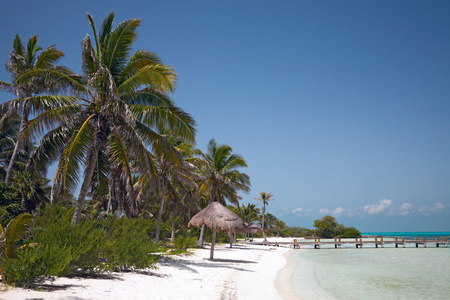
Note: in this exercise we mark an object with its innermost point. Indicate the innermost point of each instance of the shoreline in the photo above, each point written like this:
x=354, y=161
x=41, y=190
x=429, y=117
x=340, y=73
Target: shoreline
x=283, y=282
x=242, y=272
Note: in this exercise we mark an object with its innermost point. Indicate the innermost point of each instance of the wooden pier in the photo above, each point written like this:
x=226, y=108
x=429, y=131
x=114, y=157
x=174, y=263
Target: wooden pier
x=357, y=242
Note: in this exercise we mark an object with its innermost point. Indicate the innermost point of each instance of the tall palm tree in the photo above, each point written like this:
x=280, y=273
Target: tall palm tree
x=264, y=198
x=128, y=105
x=33, y=76
x=222, y=176
x=249, y=212
x=175, y=179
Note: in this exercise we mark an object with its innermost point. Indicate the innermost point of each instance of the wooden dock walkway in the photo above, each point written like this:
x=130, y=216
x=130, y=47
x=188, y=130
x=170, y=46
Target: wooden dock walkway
x=357, y=242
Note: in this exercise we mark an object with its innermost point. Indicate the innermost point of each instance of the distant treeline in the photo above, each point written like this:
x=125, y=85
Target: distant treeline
x=326, y=227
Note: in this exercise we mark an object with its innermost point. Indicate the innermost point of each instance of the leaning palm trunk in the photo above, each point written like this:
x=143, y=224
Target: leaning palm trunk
x=23, y=125
x=200, y=239
x=85, y=187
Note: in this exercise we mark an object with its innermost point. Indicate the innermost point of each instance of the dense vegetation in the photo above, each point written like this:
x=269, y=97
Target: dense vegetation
x=115, y=133
x=329, y=227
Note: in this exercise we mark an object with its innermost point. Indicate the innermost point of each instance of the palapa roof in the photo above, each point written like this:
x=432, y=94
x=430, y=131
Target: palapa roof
x=253, y=228
x=215, y=215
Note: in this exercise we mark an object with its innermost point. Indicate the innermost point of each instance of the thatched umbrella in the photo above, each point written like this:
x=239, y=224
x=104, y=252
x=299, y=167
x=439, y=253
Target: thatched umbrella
x=252, y=228
x=219, y=218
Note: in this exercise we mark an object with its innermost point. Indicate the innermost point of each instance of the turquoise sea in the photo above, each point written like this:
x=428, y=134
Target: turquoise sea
x=428, y=234
x=372, y=273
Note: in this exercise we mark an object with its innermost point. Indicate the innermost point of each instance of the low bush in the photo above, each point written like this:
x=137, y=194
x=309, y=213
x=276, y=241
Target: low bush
x=127, y=246
x=32, y=265
x=183, y=243
x=113, y=244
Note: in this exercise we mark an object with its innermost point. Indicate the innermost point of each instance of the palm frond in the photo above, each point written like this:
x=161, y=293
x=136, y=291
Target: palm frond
x=117, y=45
x=106, y=27
x=148, y=96
x=75, y=151
x=12, y=232
x=163, y=118
x=91, y=22
x=18, y=48
x=32, y=49
x=139, y=60
x=48, y=58
x=50, y=147
x=119, y=156
x=89, y=63
x=233, y=162
x=52, y=80
x=6, y=87
x=159, y=77
x=49, y=119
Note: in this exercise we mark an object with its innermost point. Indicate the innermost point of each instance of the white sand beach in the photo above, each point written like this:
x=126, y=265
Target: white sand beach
x=243, y=272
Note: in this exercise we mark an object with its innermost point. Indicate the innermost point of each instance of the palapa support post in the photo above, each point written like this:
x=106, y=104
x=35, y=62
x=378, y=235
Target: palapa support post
x=213, y=241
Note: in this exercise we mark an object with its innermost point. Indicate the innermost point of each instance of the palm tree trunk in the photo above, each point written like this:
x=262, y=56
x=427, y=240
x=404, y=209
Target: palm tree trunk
x=263, y=213
x=85, y=187
x=160, y=211
x=110, y=187
x=172, y=236
x=23, y=125
x=200, y=239
x=213, y=241
x=202, y=231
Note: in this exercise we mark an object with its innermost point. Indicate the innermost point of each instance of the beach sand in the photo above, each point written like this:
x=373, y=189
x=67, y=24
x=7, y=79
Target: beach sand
x=242, y=272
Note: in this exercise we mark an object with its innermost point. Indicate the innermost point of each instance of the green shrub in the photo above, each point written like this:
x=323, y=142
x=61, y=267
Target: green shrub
x=183, y=243
x=32, y=265
x=221, y=237
x=350, y=232
x=113, y=244
x=53, y=227
x=127, y=246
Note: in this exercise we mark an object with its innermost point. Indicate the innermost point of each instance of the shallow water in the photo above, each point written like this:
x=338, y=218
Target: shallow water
x=371, y=273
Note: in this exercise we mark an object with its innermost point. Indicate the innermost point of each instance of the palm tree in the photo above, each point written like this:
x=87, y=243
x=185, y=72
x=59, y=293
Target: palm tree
x=128, y=105
x=264, y=198
x=175, y=180
x=279, y=226
x=248, y=213
x=32, y=190
x=34, y=75
x=222, y=176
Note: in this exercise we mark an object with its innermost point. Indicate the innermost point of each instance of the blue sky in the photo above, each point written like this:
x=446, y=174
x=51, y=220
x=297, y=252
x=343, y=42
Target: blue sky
x=339, y=107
